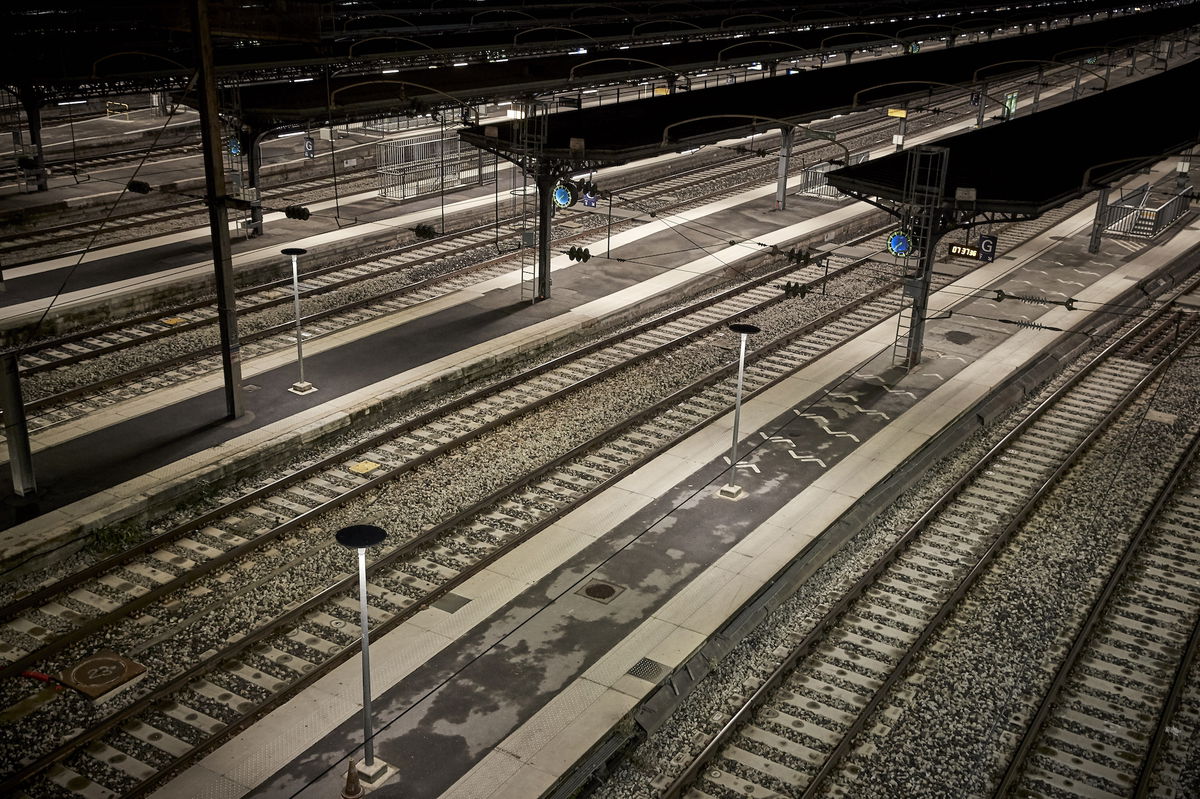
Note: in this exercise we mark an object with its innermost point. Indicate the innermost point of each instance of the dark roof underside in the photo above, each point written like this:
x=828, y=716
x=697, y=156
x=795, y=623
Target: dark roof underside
x=358, y=96
x=1032, y=164
x=634, y=130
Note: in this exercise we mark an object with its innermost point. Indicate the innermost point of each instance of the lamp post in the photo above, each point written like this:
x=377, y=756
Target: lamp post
x=745, y=330
x=361, y=536
x=301, y=386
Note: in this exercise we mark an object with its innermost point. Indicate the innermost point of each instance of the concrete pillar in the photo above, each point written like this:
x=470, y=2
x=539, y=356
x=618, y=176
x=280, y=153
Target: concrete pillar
x=786, y=137
x=982, y=104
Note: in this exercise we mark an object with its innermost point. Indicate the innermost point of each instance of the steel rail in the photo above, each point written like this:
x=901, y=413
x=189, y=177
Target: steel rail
x=816, y=636
x=414, y=545
x=1179, y=686
x=1033, y=730
x=45, y=593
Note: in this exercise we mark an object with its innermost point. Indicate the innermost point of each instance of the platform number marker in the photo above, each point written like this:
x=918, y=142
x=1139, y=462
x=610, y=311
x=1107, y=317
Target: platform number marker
x=987, y=248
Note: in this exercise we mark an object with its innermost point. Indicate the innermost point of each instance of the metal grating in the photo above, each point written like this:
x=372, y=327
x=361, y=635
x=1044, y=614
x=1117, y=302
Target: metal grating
x=649, y=670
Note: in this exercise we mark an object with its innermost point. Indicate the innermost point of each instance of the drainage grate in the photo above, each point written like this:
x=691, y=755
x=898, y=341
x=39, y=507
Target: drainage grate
x=600, y=591
x=649, y=670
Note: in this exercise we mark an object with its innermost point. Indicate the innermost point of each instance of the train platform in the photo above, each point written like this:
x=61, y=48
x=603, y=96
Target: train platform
x=131, y=455
x=137, y=456
x=529, y=670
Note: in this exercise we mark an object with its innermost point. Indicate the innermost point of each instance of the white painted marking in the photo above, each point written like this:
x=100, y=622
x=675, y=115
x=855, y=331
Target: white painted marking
x=807, y=459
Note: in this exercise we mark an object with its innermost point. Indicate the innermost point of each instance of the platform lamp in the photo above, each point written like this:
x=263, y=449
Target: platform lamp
x=745, y=330
x=301, y=386
x=359, y=537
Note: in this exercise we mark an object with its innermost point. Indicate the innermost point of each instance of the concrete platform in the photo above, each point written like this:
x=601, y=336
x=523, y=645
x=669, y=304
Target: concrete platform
x=502, y=696
x=138, y=457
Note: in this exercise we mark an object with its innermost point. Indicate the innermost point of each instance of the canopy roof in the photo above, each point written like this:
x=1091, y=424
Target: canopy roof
x=644, y=128
x=1032, y=164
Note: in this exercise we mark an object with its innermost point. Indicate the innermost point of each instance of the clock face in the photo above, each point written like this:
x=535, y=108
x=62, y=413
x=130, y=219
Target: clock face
x=563, y=197
x=899, y=244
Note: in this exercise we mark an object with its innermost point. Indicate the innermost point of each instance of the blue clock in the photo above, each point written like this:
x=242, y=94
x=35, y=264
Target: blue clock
x=899, y=244
x=565, y=195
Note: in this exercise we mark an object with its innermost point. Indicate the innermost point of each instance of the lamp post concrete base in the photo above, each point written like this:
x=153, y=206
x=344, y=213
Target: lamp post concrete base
x=376, y=775
x=730, y=491
x=302, y=387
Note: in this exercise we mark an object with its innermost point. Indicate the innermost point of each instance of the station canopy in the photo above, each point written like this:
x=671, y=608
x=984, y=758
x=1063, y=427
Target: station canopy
x=499, y=73
x=616, y=134
x=61, y=48
x=1028, y=165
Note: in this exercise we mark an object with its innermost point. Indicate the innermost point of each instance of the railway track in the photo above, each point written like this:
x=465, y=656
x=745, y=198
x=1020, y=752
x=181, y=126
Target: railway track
x=791, y=734
x=408, y=575
x=50, y=406
x=49, y=241
x=1100, y=726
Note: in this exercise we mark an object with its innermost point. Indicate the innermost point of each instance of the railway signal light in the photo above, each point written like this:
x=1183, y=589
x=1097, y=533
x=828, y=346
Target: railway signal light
x=579, y=254
x=792, y=289
x=795, y=256
x=297, y=212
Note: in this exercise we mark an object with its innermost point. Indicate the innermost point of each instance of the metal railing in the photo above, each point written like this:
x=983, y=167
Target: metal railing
x=428, y=164
x=1131, y=217
x=816, y=184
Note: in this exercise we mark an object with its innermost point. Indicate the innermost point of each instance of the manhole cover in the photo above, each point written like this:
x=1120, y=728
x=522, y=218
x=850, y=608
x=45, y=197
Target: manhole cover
x=103, y=675
x=600, y=591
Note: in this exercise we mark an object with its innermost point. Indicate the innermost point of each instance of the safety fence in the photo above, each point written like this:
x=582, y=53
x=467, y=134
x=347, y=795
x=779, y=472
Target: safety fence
x=430, y=163
x=1134, y=216
x=815, y=183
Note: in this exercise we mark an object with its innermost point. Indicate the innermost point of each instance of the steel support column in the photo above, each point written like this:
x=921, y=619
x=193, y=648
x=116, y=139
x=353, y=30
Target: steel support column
x=1037, y=89
x=545, y=181
x=919, y=284
x=31, y=101
x=252, y=146
x=983, y=87
x=1098, y=222
x=218, y=219
x=786, y=137
x=16, y=430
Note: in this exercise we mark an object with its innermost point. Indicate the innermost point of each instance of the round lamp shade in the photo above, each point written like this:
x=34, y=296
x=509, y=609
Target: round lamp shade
x=745, y=328
x=360, y=536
